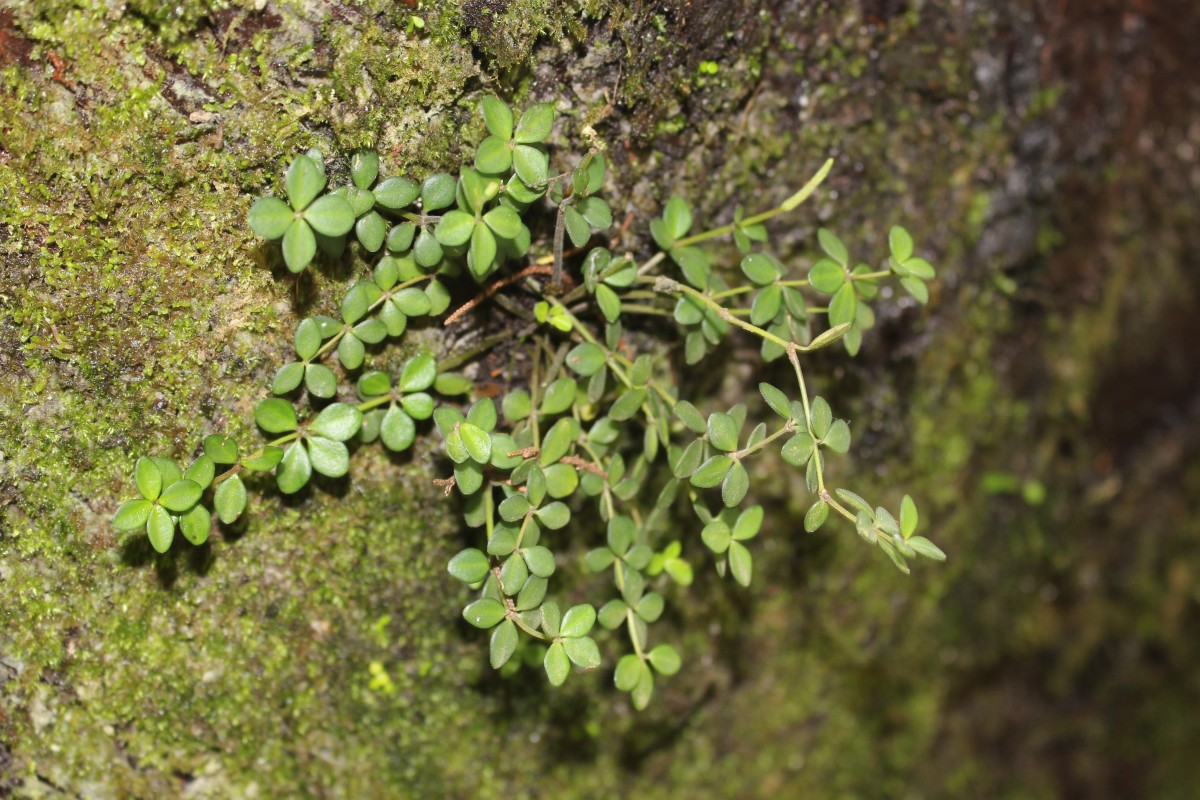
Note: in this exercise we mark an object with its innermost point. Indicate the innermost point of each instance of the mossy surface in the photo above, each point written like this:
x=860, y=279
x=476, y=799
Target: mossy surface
x=315, y=651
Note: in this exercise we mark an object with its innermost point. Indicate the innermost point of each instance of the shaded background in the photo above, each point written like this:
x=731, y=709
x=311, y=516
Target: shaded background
x=1043, y=407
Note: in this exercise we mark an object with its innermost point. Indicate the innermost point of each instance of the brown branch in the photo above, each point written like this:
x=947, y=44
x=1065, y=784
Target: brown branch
x=535, y=269
x=584, y=464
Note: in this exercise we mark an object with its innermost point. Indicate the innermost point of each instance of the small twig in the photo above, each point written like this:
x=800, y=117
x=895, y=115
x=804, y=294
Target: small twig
x=583, y=464
x=445, y=484
x=535, y=269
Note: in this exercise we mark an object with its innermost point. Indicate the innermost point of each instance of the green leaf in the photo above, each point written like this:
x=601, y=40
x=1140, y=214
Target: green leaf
x=516, y=405
x=270, y=217
x=426, y=250
x=597, y=213
x=650, y=607
x=900, y=243
x=760, y=269
x=455, y=228
x=397, y=430
x=418, y=406
x=364, y=167
x=620, y=534
x=331, y=215
x=160, y=527
x=554, y=516
x=132, y=515
x=328, y=457
x=609, y=302
x=578, y=228
x=396, y=193
x=229, y=500
x=287, y=378
x=494, y=156
x=535, y=124
x=776, y=399
x=678, y=217
x=716, y=536
x=843, y=306
x=741, y=563
x=299, y=246
x=748, y=523
x=418, y=374
x=586, y=359
x=917, y=288
x=838, y=438
x=735, y=485
x=539, y=560
x=275, y=415
x=833, y=246
x=303, y=182
x=689, y=459
x=513, y=575
x=451, y=383
x=629, y=672
x=514, y=508
x=627, y=405
x=371, y=229
x=477, y=442
x=690, y=417
x=561, y=480
x=926, y=548
x=827, y=276
x=294, y=470
x=497, y=116
x=722, y=431
x=504, y=643
x=202, y=471
x=664, y=659
x=641, y=694
x=483, y=249
x=822, y=417
x=412, y=302
x=437, y=192
x=264, y=459
x=338, y=421
x=196, y=524
x=166, y=467
x=307, y=338
x=559, y=396
x=582, y=651
x=920, y=268
x=180, y=495
x=578, y=621
x=551, y=619
x=557, y=664
x=221, y=449
x=148, y=478
x=530, y=164
x=599, y=560
x=469, y=566
x=711, y=472
x=766, y=305
x=908, y=517
x=503, y=221
x=817, y=513
x=483, y=414
x=484, y=613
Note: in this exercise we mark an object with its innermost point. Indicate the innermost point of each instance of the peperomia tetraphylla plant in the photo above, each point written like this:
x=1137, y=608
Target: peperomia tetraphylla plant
x=592, y=417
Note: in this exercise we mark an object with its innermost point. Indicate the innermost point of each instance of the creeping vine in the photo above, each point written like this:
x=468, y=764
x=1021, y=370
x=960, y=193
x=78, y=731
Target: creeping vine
x=593, y=416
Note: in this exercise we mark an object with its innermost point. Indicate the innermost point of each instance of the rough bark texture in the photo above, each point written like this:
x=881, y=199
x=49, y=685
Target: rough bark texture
x=1043, y=408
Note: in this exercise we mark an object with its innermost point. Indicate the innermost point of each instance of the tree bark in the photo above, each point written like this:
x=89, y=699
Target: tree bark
x=1043, y=407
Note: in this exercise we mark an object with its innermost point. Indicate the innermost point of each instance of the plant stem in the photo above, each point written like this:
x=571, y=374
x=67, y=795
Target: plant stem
x=787, y=205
